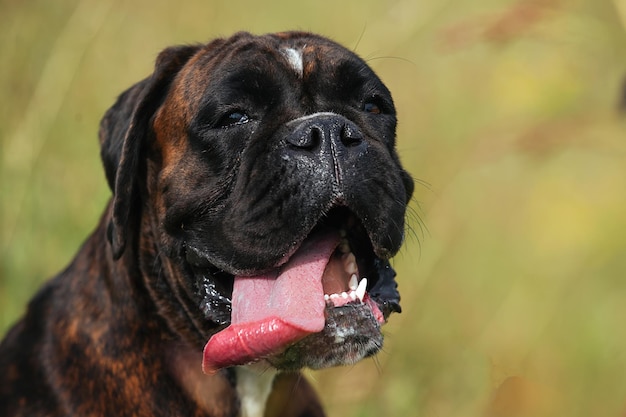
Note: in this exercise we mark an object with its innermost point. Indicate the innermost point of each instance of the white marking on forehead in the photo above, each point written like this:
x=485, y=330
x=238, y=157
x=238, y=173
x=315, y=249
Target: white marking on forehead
x=294, y=58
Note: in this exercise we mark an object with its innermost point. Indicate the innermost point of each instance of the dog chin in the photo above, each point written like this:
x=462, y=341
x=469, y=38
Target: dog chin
x=352, y=333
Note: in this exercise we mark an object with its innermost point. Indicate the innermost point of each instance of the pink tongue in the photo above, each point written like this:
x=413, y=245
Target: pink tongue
x=274, y=310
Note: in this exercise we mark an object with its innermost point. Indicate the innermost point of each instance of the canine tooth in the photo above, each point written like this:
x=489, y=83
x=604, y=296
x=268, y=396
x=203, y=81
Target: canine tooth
x=352, y=295
x=360, y=291
x=349, y=263
x=354, y=283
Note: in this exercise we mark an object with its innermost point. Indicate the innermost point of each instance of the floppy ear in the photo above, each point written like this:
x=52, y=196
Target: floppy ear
x=124, y=132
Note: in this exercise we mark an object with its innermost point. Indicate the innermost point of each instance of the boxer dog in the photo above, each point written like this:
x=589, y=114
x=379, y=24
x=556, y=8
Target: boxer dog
x=257, y=200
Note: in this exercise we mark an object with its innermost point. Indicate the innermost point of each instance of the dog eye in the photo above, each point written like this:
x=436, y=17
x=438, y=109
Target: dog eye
x=371, y=107
x=233, y=119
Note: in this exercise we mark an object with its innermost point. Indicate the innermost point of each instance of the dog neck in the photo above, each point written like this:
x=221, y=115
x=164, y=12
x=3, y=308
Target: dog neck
x=254, y=384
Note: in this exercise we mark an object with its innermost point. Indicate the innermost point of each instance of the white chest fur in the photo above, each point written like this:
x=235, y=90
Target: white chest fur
x=254, y=384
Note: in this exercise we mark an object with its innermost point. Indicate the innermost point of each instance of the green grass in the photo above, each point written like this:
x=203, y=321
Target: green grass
x=508, y=114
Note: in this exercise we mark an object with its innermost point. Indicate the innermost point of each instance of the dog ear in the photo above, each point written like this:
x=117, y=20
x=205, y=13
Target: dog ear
x=124, y=132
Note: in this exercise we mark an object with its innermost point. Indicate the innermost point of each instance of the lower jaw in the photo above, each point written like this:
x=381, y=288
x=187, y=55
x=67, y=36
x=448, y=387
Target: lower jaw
x=352, y=333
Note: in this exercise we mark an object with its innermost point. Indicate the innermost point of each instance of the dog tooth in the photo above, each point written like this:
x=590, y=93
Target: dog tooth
x=334, y=296
x=352, y=295
x=354, y=283
x=344, y=295
x=360, y=291
x=326, y=297
x=349, y=263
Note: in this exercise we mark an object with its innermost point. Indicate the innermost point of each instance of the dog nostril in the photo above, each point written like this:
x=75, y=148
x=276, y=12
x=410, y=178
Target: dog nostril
x=350, y=137
x=315, y=138
x=351, y=141
x=308, y=140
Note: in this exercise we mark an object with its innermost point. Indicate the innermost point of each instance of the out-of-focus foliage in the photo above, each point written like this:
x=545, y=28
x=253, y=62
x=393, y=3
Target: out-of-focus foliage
x=513, y=277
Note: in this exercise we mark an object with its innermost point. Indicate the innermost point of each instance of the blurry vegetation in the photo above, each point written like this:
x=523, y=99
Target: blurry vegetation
x=513, y=275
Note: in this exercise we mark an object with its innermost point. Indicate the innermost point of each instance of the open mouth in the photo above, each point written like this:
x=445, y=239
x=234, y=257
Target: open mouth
x=333, y=268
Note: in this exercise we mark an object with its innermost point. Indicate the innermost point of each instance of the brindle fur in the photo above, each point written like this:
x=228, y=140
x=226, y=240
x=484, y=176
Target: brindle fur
x=120, y=331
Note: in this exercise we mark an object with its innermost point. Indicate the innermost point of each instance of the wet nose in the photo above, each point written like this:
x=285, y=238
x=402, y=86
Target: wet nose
x=327, y=132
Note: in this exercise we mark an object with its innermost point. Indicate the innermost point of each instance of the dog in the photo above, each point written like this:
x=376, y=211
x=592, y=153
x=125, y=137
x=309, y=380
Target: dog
x=257, y=199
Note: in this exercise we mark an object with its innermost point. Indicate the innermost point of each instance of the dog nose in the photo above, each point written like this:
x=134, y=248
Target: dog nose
x=324, y=132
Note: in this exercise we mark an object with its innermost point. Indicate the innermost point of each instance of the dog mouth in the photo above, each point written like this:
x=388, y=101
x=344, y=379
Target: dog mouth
x=333, y=273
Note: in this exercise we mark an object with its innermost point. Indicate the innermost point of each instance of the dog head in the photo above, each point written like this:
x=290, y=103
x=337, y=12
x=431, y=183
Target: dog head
x=256, y=177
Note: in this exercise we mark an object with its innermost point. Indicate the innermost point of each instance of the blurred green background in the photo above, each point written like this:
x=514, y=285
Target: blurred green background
x=513, y=274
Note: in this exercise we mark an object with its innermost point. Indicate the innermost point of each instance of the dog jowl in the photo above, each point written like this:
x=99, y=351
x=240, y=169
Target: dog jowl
x=257, y=200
